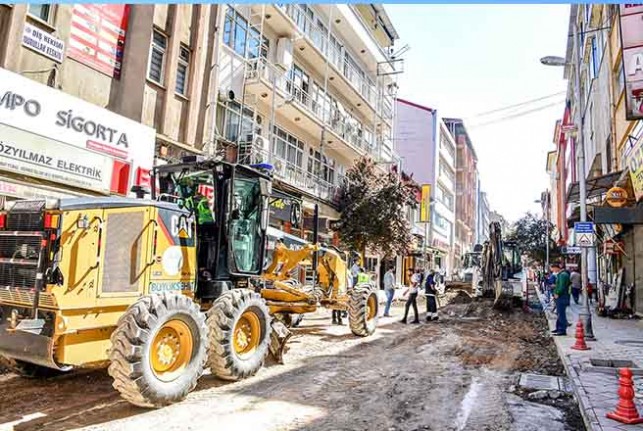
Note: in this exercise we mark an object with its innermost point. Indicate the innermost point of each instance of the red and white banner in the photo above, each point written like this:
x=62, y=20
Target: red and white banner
x=97, y=36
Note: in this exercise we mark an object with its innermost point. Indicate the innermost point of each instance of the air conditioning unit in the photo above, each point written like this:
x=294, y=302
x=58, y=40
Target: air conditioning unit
x=284, y=53
x=261, y=142
x=227, y=95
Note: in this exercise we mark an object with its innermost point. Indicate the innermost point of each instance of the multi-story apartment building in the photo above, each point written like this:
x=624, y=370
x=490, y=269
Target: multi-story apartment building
x=428, y=152
x=482, y=230
x=308, y=88
x=466, y=185
x=612, y=136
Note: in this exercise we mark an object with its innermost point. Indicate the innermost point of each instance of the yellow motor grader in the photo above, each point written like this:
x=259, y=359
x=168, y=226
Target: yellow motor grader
x=157, y=289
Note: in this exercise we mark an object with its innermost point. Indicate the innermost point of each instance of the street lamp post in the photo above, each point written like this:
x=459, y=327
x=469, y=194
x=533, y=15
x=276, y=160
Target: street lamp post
x=545, y=205
x=585, y=315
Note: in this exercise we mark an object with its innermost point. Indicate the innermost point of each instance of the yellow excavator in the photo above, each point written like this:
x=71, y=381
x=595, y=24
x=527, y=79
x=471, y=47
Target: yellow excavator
x=158, y=289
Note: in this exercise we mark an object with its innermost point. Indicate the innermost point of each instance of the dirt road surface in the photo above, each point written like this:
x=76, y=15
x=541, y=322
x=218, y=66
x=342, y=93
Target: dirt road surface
x=455, y=374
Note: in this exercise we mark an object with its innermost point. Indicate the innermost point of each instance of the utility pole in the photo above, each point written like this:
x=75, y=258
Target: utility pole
x=585, y=315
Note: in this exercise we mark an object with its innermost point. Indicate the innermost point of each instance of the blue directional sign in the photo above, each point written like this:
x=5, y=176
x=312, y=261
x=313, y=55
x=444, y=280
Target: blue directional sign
x=584, y=227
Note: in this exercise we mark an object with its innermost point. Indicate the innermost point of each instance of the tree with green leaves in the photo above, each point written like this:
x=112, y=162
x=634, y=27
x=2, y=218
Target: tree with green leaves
x=373, y=209
x=530, y=233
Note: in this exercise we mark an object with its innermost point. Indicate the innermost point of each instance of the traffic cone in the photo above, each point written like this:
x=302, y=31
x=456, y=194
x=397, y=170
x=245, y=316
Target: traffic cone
x=625, y=408
x=580, y=337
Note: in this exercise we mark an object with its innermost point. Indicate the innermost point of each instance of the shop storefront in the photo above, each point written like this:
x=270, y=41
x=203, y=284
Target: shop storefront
x=55, y=145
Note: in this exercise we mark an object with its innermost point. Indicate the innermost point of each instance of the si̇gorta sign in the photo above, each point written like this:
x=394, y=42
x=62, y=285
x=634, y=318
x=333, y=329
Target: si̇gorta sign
x=53, y=114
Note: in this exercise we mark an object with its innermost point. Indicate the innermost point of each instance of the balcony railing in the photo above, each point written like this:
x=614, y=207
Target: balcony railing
x=332, y=115
x=329, y=48
x=290, y=173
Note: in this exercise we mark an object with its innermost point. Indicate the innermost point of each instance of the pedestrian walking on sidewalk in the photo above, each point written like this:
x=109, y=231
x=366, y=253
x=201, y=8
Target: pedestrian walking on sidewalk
x=575, y=280
x=561, y=296
x=431, y=292
x=413, y=295
x=389, y=290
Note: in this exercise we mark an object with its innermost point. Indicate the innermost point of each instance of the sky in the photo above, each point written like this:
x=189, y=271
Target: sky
x=466, y=60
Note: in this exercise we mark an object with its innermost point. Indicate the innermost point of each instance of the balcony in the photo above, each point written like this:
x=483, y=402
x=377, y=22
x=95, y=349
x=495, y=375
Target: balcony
x=263, y=78
x=290, y=173
x=317, y=47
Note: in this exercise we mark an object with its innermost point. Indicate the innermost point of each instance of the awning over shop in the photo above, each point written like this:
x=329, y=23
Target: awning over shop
x=31, y=188
x=607, y=215
x=595, y=186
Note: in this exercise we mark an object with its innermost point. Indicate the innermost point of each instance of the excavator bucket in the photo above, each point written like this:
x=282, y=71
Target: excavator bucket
x=279, y=340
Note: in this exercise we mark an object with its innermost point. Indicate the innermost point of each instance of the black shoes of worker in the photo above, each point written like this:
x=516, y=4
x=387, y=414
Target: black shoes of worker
x=558, y=334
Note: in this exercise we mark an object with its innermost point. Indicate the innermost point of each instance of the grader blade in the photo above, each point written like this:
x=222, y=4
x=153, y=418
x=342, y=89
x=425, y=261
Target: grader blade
x=278, y=340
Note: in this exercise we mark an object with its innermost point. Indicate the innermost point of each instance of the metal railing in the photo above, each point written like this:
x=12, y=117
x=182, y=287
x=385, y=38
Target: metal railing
x=291, y=173
x=332, y=115
x=336, y=56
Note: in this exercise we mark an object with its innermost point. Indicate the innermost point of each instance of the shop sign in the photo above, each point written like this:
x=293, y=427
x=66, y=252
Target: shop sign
x=616, y=197
x=40, y=157
x=440, y=244
x=425, y=204
x=29, y=192
x=634, y=161
x=286, y=209
x=613, y=247
x=97, y=36
x=45, y=111
x=43, y=43
x=631, y=19
x=571, y=250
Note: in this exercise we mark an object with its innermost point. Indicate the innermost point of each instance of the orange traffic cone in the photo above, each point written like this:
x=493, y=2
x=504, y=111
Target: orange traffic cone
x=625, y=408
x=580, y=337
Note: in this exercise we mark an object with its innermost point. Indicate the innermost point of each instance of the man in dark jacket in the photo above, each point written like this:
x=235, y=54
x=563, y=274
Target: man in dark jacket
x=431, y=297
x=561, y=296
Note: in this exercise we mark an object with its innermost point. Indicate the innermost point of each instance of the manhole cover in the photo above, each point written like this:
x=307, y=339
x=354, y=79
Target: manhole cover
x=541, y=382
x=612, y=363
x=629, y=342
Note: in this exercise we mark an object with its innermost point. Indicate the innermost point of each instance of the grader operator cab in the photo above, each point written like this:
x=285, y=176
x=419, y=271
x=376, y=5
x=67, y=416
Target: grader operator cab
x=156, y=288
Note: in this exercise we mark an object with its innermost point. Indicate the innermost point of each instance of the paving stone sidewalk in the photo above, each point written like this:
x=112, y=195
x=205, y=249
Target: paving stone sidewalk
x=596, y=387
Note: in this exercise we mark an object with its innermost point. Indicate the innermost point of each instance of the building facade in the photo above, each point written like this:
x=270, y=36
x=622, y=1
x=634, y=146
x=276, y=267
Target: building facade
x=309, y=89
x=604, y=108
x=483, y=220
x=305, y=88
x=428, y=152
x=466, y=186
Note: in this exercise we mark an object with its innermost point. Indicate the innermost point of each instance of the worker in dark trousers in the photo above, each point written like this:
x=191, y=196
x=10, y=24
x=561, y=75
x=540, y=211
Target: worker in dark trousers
x=337, y=317
x=416, y=279
x=431, y=297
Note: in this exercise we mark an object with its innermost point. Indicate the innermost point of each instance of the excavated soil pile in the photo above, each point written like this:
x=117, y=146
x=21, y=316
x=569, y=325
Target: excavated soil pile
x=507, y=341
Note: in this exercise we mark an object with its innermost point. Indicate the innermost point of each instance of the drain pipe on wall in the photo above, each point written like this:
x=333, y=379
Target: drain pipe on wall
x=219, y=11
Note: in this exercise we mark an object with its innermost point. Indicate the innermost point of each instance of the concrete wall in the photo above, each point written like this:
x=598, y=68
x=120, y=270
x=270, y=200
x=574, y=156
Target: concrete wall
x=177, y=118
x=414, y=137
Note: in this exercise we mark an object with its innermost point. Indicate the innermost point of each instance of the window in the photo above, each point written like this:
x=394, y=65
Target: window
x=237, y=33
x=157, y=57
x=321, y=166
x=444, y=143
x=43, y=12
x=182, y=70
x=246, y=227
x=593, y=68
x=446, y=171
x=228, y=117
x=288, y=147
x=619, y=75
x=441, y=222
x=442, y=195
x=298, y=84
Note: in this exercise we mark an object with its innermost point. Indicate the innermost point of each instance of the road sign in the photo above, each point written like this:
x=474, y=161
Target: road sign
x=584, y=239
x=572, y=250
x=584, y=227
x=584, y=232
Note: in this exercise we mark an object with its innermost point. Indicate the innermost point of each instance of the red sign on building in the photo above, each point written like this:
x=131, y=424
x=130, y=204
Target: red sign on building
x=97, y=36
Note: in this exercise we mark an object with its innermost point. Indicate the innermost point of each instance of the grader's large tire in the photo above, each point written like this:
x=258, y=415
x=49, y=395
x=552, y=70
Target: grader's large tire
x=239, y=325
x=363, y=310
x=158, y=350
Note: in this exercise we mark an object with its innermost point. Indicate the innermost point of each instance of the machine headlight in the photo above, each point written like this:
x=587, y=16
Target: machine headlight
x=52, y=203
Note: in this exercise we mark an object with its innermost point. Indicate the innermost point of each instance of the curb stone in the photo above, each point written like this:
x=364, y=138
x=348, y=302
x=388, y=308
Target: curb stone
x=587, y=413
